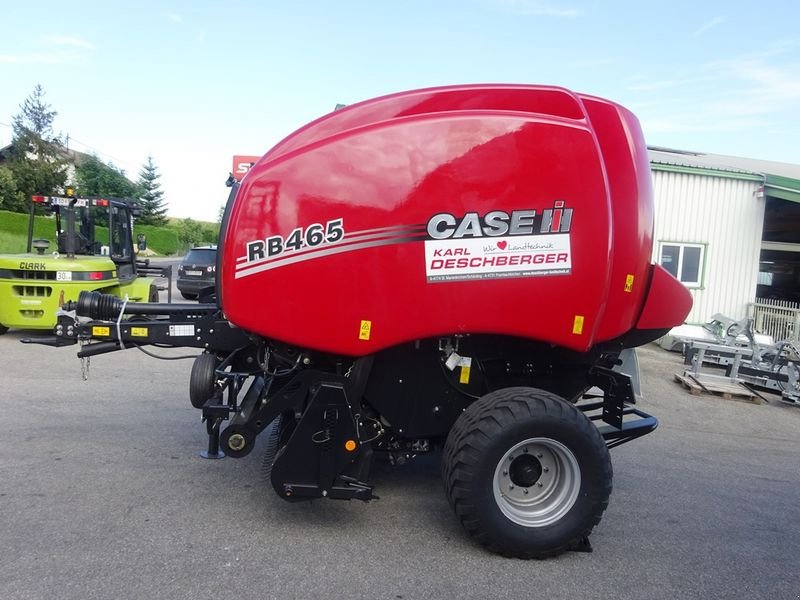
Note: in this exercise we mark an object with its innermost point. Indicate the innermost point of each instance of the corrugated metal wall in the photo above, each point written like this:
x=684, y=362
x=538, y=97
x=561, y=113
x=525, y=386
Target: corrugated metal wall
x=725, y=215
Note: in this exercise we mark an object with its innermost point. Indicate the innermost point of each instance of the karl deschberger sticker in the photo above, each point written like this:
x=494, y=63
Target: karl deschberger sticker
x=488, y=258
x=523, y=243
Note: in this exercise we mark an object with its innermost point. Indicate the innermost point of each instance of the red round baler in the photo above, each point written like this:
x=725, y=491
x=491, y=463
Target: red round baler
x=443, y=269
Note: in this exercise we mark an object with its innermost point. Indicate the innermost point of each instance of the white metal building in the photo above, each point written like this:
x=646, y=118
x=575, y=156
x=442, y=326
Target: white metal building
x=709, y=224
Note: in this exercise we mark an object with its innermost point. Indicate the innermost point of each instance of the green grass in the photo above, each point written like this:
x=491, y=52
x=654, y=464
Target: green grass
x=17, y=224
x=12, y=243
x=162, y=240
x=14, y=231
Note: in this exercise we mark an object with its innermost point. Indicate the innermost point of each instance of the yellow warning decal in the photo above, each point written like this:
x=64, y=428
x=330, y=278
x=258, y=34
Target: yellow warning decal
x=466, y=367
x=577, y=325
x=365, y=331
x=138, y=331
x=629, y=283
x=101, y=331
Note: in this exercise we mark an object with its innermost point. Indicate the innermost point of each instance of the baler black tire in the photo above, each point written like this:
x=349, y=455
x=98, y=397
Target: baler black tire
x=487, y=433
x=280, y=432
x=202, y=379
x=152, y=296
x=271, y=447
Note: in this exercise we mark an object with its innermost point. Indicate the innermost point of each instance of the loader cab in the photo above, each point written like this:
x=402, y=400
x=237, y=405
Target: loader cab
x=74, y=230
x=76, y=223
x=120, y=228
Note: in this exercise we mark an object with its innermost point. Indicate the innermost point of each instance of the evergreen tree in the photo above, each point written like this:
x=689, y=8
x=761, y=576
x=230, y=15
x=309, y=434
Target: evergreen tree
x=154, y=209
x=37, y=158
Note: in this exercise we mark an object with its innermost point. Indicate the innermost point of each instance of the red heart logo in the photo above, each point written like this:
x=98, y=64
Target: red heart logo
x=502, y=245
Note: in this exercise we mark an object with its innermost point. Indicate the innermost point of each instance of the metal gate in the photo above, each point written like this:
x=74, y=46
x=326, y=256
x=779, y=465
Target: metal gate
x=778, y=318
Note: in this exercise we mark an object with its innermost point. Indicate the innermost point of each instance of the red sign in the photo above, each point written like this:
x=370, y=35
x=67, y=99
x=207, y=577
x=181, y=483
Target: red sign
x=242, y=164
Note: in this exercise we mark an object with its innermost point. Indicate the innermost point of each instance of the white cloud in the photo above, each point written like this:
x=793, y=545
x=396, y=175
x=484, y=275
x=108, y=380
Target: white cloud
x=709, y=25
x=72, y=42
x=698, y=121
x=591, y=63
x=684, y=81
x=537, y=8
x=38, y=58
x=758, y=87
x=30, y=58
x=174, y=17
x=53, y=50
x=649, y=86
x=749, y=92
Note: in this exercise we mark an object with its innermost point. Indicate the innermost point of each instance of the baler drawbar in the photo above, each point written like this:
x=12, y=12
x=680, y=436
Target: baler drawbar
x=455, y=269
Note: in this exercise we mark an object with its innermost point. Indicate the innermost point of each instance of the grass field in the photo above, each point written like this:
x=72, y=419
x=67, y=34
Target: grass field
x=12, y=243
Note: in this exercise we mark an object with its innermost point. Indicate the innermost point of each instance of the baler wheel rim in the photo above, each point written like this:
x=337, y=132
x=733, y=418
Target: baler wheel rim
x=551, y=488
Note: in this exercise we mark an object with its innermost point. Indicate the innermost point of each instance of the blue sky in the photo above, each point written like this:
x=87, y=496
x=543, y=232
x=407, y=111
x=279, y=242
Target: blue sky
x=193, y=83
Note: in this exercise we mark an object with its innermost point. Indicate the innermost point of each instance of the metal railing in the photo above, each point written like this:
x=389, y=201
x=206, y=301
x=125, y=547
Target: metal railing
x=778, y=318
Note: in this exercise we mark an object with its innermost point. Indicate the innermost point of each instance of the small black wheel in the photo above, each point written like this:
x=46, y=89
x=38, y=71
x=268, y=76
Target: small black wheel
x=187, y=296
x=152, y=296
x=526, y=472
x=202, y=379
x=3, y=329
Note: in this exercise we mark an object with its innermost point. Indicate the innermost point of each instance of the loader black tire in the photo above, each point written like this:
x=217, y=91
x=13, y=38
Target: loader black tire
x=488, y=500
x=152, y=296
x=202, y=379
x=3, y=329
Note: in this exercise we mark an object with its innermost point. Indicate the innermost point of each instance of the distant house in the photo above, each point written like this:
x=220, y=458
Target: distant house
x=727, y=227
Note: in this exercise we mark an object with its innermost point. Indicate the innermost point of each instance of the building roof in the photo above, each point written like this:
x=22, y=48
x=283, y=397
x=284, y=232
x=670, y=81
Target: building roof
x=73, y=156
x=781, y=180
x=722, y=162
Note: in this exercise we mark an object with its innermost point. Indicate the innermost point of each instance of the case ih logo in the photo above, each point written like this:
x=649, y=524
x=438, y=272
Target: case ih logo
x=499, y=223
x=499, y=244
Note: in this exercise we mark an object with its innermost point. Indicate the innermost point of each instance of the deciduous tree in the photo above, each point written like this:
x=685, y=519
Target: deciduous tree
x=93, y=177
x=8, y=188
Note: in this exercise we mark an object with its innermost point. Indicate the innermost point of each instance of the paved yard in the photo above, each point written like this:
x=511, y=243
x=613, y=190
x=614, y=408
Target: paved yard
x=103, y=495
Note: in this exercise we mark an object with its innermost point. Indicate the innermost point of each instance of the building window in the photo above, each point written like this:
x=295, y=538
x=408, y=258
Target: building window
x=684, y=261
